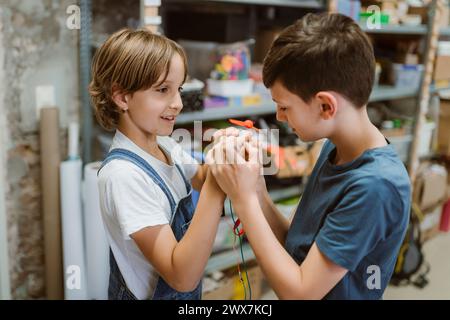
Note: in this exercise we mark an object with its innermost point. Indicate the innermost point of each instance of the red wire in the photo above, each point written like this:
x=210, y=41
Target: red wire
x=240, y=231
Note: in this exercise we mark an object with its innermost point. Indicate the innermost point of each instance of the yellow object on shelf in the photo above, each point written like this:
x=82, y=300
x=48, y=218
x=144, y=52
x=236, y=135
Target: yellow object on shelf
x=255, y=276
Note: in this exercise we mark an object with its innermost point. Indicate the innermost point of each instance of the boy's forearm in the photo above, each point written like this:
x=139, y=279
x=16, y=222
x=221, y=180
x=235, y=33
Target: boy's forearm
x=199, y=178
x=193, y=251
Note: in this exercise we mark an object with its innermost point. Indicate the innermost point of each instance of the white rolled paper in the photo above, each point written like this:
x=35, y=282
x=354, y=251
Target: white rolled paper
x=72, y=231
x=73, y=140
x=97, y=247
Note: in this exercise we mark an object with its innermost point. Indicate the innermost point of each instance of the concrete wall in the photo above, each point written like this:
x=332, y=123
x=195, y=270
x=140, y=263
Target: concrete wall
x=38, y=49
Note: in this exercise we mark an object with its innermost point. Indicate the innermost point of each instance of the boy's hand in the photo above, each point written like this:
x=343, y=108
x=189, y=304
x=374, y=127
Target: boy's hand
x=211, y=182
x=231, y=131
x=235, y=163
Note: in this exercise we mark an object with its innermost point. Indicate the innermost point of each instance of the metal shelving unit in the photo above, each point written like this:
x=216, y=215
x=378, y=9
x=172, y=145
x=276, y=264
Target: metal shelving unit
x=433, y=34
x=380, y=93
x=397, y=29
x=226, y=112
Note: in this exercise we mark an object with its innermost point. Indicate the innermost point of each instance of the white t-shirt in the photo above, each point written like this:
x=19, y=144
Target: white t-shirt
x=130, y=201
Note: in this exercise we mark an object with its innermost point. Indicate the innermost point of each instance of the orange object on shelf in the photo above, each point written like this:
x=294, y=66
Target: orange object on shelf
x=246, y=124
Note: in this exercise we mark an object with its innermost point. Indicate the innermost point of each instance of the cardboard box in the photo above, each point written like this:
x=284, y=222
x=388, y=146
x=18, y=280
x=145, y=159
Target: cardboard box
x=294, y=161
x=223, y=290
x=429, y=226
x=442, y=68
x=151, y=11
x=444, y=128
x=431, y=186
x=445, y=218
x=255, y=276
x=445, y=17
x=263, y=42
x=421, y=11
x=229, y=287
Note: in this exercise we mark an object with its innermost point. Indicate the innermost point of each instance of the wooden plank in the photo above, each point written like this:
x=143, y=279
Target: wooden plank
x=432, y=42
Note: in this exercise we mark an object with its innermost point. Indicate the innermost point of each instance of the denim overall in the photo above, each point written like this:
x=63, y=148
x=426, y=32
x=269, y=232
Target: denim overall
x=180, y=220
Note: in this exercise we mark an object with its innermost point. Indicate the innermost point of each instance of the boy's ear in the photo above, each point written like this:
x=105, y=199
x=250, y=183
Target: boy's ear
x=328, y=104
x=119, y=97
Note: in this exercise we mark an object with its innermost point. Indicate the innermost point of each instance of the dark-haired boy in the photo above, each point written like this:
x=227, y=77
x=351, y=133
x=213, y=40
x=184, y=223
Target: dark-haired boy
x=346, y=233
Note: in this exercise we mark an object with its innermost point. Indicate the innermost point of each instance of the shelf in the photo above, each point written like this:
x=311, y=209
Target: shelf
x=379, y=94
x=445, y=31
x=433, y=89
x=397, y=29
x=311, y=4
x=389, y=92
x=285, y=193
x=220, y=113
x=275, y=195
x=224, y=260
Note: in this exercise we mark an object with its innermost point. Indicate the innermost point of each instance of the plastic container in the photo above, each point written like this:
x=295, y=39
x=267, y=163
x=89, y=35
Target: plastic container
x=376, y=81
x=230, y=88
x=200, y=57
x=407, y=75
x=192, y=96
x=412, y=20
x=350, y=8
x=444, y=48
x=402, y=146
x=426, y=136
x=364, y=17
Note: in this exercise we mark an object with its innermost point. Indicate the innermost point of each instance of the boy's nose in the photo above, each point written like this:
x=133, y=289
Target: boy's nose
x=177, y=103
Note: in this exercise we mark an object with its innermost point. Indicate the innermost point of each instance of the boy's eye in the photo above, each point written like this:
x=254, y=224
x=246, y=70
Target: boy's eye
x=282, y=108
x=180, y=89
x=162, y=90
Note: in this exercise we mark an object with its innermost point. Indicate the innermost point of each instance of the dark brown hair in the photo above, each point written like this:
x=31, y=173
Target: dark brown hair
x=322, y=52
x=133, y=60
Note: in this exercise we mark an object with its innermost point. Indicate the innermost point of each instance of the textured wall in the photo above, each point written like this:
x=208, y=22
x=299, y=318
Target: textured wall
x=38, y=50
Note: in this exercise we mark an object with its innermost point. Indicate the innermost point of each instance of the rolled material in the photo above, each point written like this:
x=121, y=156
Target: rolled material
x=50, y=159
x=72, y=231
x=97, y=247
x=73, y=140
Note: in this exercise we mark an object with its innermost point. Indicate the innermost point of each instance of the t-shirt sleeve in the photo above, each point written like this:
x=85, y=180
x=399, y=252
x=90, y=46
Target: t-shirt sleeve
x=359, y=222
x=137, y=203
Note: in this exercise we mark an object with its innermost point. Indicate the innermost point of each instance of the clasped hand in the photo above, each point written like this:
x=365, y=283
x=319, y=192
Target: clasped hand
x=235, y=160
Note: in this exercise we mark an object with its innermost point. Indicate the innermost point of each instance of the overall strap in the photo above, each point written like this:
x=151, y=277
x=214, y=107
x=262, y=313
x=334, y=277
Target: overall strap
x=124, y=154
x=186, y=182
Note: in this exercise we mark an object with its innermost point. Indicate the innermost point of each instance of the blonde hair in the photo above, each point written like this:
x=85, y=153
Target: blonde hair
x=133, y=60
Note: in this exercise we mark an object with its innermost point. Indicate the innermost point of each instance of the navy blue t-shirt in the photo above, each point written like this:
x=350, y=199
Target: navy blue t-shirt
x=357, y=213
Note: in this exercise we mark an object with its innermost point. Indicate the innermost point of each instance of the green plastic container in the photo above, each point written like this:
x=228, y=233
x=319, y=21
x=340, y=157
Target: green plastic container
x=363, y=16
